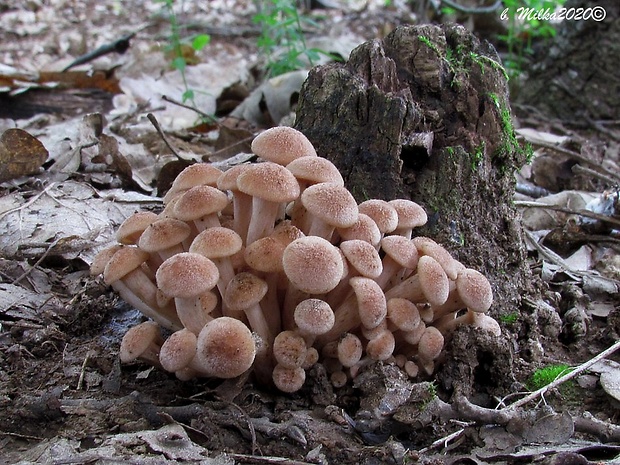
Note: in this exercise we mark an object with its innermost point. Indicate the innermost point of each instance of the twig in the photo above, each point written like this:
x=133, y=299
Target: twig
x=578, y=169
x=83, y=372
x=189, y=107
x=562, y=379
x=442, y=442
x=38, y=262
x=580, y=212
x=266, y=459
x=577, y=156
x=155, y=123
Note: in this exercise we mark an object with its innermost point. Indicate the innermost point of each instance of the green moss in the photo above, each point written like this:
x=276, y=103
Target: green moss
x=546, y=375
x=478, y=156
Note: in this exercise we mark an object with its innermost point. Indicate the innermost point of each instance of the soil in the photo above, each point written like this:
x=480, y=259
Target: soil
x=65, y=398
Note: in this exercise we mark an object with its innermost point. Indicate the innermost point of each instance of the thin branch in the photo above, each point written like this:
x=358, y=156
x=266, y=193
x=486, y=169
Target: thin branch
x=580, y=212
x=159, y=130
x=562, y=379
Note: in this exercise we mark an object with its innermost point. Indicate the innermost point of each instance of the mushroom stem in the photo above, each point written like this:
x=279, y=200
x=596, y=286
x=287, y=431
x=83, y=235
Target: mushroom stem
x=263, y=219
x=192, y=314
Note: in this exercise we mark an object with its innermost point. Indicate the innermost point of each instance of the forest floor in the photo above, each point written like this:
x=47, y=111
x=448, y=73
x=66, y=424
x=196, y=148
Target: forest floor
x=64, y=396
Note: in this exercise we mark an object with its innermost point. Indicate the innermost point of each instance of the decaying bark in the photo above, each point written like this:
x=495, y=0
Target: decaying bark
x=424, y=114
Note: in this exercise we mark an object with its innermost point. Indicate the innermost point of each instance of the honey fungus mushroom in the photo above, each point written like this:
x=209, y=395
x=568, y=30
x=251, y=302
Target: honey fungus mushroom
x=272, y=267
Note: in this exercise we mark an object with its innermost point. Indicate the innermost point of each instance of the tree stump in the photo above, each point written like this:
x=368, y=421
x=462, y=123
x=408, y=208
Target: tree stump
x=424, y=114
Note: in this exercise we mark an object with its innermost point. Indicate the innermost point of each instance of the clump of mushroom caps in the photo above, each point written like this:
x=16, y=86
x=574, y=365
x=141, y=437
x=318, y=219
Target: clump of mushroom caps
x=273, y=267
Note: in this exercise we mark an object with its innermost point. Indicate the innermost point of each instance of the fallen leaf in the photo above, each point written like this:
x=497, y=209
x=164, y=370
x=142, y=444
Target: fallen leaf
x=20, y=154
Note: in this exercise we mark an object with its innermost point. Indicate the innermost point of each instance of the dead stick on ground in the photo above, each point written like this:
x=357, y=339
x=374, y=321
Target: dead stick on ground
x=159, y=130
x=243, y=458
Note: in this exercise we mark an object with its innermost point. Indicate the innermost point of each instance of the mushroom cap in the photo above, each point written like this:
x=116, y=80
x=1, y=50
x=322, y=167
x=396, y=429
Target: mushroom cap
x=125, y=260
x=431, y=343
x=312, y=264
x=331, y=203
x=371, y=302
x=282, y=145
x=350, y=350
x=269, y=181
x=363, y=257
x=314, y=316
x=474, y=290
x=314, y=170
x=401, y=250
x=131, y=229
x=199, y=201
x=410, y=214
x=265, y=254
x=286, y=232
x=403, y=313
x=102, y=258
x=384, y=215
x=288, y=379
x=289, y=349
x=225, y=348
x=381, y=347
x=178, y=350
x=433, y=279
x=244, y=291
x=138, y=339
x=163, y=234
x=228, y=179
x=364, y=229
x=216, y=242
x=186, y=275
x=197, y=174
x=427, y=246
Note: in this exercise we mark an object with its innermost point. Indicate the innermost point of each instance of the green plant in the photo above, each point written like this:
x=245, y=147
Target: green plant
x=510, y=318
x=524, y=27
x=182, y=49
x=282, y=40
x=544, y=376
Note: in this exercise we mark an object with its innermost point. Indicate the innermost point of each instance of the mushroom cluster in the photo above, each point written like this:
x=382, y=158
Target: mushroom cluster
x=273, y=266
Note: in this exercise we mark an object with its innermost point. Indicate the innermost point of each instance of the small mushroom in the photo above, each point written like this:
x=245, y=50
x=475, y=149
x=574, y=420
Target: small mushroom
x=242, y=202
x=350, y=350
x=382, y=213
x=186, y=277
x=125, y=274
x=243, y=294
x=429, y=284
x=271, y=186
x=282, y=145
x=410, y=216
x=163, y=239
x=178, y=350
x=400, y=253
x=198, y=174
x=225, y=348
x=200, y=206
x=142, y=342
x=288, y=379
x=289, y=349
x=130, y=230
x=329, y=206
x=313, y=317
x=218, y=244
x=429, y=348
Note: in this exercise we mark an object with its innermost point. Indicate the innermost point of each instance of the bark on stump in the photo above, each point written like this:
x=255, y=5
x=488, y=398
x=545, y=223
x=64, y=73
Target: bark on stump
x=424, y=114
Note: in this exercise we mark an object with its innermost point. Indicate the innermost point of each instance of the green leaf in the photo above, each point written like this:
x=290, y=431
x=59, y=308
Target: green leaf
x=179, y=63
x=200, y=41
x=188, y=95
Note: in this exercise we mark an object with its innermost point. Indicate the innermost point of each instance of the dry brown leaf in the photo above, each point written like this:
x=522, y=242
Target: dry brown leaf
x=20, y=154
